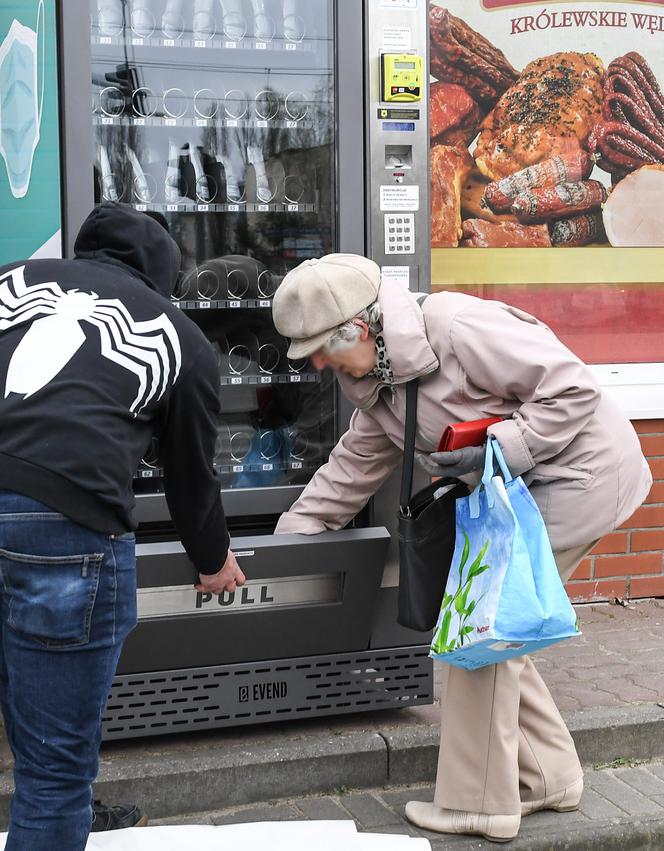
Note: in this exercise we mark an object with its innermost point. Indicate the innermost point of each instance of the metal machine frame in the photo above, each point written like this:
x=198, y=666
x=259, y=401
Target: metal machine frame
x=261, y=669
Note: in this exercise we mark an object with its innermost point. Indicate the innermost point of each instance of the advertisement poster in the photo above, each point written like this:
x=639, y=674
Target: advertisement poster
x=547, y=164
x=30, y=215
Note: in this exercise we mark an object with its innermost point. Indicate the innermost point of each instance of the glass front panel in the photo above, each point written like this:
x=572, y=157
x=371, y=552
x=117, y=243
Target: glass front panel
x=220, y=114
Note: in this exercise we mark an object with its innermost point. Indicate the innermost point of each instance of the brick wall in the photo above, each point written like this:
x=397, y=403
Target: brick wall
x=629, y=563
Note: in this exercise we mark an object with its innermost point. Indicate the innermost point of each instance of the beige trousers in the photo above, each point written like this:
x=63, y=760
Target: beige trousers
x=502, y=737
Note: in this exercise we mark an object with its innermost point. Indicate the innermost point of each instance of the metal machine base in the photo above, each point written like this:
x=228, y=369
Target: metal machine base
x=235, y=695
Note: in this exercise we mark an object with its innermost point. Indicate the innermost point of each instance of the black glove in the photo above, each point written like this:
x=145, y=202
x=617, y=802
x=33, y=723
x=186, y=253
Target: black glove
x=452, y=465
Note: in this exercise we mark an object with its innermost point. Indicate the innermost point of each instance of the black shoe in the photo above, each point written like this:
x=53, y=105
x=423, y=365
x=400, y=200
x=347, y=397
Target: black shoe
x=116, y=818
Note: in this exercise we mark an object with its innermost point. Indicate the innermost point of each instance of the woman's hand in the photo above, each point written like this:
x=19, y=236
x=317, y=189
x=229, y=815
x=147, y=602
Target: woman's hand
x=452, y=465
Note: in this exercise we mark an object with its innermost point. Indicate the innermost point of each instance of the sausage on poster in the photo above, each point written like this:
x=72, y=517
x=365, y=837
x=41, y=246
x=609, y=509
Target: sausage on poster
x=565, y=199
x=499, y=195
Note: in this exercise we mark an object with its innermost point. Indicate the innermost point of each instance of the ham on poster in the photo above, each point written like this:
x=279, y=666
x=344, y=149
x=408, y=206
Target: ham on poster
x=547, y=123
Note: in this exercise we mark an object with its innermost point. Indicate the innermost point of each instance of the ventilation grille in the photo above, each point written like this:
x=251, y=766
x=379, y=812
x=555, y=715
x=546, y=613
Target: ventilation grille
x=234, y=695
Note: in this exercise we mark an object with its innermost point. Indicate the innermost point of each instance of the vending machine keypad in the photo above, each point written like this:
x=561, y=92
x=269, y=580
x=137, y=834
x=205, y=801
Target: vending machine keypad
x=400, y=233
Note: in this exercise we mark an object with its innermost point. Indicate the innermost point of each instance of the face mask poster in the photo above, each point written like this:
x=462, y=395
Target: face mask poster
x=547, y=132
x=29, y=135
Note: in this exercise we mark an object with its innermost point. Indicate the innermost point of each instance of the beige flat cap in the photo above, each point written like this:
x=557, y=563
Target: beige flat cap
x=319, y=295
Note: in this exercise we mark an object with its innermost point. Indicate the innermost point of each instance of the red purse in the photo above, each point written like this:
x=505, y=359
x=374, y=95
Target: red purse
x=460, y=435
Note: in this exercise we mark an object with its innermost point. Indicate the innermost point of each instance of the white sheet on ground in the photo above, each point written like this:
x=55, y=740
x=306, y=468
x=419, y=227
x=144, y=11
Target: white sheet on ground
x=258, y=836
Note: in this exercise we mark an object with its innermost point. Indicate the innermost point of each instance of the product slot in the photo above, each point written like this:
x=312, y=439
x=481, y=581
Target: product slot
x=226, y=208
x=169, y=123
x=230, y=469
x=224, y=304
x=246, y=44
x=290, y=378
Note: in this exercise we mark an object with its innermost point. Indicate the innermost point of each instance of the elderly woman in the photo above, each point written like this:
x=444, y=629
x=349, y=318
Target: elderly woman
x=505, y=751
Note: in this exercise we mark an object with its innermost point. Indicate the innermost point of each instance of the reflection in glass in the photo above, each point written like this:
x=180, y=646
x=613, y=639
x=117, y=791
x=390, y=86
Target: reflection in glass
x=268, y=358
x=294, y=25
x=207, y=284
x=235, y=104
x=144, y=102
x=296, y=105
x=264, y=26
x=298, y=365
x=109, y=189
x=234, y=22
x=293, y=189
x=202, y=187
x=240, y=446
x=238, y=284
x=194, y=128
x=204, y=26
x=111, y=101
x=206, y=103
x=174, y=188
x=142, y=20
x=151, y=457
x=181, y=288
x=110, y=17
x=267, y=284
x=266, y=105
x=239, y=359
x=175, y=102
x=172, y=21
x=299, y=444
x=145, y=191
x=271, y=444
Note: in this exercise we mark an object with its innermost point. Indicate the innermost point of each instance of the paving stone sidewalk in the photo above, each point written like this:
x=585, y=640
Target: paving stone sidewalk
x=622, y=808
x=619, y=659
x=609, y=684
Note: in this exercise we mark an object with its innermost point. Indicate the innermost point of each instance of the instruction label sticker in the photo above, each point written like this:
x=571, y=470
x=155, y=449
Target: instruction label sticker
x=399, y=199
x=397, y=39
x=396, y=274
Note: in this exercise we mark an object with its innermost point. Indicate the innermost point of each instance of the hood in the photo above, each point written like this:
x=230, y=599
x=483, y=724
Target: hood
x=117, y=234
x=406, y=342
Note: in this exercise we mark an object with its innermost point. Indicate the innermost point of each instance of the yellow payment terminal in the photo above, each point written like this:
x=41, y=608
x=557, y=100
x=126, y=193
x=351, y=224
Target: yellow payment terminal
x=401, y=75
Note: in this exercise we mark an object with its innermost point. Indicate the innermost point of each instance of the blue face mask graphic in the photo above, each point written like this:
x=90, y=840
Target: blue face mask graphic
x=20, y=102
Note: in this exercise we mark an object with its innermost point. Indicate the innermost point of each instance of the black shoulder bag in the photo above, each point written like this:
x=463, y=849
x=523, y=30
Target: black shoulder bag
x=427, y=523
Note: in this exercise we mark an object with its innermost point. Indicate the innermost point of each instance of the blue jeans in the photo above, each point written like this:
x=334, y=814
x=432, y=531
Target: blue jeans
x=68, y=603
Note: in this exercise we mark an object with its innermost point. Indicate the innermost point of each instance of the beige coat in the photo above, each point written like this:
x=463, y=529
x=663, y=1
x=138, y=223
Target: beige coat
x=577, y=451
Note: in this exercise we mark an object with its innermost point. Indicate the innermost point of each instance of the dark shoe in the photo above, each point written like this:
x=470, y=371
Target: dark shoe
x=116, y=818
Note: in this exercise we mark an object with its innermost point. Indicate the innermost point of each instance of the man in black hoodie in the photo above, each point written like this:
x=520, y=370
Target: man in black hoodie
x=94, y=362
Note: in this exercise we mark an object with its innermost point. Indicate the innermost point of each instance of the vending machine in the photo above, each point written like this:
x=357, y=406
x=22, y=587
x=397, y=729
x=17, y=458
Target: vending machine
x=266, y=132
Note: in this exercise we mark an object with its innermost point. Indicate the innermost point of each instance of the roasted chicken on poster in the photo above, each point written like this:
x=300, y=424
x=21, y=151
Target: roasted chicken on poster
x=549, y=111
x=454, y=116
x=450, y=166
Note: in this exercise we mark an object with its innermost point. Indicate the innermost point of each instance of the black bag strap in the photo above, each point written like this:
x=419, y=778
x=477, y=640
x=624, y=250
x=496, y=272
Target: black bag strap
x=409, y=437
x=409, y=446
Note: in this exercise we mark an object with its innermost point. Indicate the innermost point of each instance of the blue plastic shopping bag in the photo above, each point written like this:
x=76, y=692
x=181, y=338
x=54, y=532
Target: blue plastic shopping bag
x=504, y=596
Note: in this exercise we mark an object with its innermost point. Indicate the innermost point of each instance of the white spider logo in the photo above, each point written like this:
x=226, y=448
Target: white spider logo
x=150, y=349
